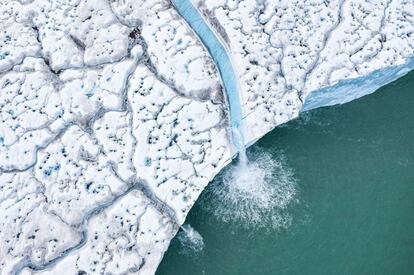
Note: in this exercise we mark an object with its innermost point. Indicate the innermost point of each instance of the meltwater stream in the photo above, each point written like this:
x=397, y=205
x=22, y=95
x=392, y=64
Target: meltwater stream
x=219, y=54
x=248, y=192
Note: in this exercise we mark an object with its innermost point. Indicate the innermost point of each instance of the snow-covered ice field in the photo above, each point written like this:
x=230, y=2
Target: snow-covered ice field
x=116, y=114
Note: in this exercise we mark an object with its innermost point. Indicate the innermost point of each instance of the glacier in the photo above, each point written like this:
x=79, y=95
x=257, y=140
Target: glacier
x=116, y=114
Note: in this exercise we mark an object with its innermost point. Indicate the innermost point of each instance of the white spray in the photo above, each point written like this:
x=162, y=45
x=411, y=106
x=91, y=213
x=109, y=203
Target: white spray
x=190, y=240
x=253, y=192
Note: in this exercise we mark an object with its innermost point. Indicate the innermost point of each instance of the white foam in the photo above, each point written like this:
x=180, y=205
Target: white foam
x=254, y=193
x=190, y=240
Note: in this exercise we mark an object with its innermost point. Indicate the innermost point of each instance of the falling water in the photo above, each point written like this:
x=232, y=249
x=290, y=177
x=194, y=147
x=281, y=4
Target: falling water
x=239, y=142
x=255, y=191
x=191, y=241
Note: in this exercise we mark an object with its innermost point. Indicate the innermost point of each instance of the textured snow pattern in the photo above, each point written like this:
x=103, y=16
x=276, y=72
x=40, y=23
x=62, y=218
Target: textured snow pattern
x=284, y=50
x=114, y=119
x=112, y=123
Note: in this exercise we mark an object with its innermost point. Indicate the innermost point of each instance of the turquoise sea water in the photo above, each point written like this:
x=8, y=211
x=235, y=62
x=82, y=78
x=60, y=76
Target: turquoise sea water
x=345, y=177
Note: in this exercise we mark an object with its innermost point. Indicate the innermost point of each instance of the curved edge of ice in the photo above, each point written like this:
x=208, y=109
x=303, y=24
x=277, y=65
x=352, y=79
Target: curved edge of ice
x=350, y=89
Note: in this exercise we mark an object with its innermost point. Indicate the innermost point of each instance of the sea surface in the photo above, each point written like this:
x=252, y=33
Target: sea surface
x=331, y=192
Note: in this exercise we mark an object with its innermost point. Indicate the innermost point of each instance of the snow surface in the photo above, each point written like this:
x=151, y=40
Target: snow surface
x=284, y=50
x=112, y=123
x=114, y=117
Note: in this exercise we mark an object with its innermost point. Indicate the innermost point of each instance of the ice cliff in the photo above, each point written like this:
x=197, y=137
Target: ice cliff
x=114, y=115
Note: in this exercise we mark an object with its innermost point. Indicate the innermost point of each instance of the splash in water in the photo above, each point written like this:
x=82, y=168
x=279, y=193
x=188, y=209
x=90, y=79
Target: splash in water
x=254, y=192
x=191, y=241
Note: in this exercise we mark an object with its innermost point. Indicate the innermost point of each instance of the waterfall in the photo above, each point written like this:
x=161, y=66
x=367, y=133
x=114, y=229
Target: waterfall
x=252, y=192
x=241, y=148
x=190, y=240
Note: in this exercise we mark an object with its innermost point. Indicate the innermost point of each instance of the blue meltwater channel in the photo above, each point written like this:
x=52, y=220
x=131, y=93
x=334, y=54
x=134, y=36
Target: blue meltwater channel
x=223, y=62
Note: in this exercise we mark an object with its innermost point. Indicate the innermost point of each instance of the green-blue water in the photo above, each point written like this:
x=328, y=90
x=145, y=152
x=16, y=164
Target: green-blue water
x=353, y=211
